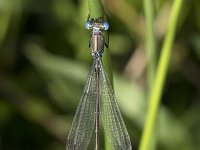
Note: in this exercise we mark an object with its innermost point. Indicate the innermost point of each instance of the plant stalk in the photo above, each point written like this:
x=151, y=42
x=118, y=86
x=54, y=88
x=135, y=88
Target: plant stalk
x=96, y=11
x=150, y=41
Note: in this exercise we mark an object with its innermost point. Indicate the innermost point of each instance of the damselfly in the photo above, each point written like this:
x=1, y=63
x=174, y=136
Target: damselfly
x=98, y=99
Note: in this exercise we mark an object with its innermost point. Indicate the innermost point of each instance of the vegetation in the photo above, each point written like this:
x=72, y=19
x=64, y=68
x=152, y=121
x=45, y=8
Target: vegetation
x=45, y=58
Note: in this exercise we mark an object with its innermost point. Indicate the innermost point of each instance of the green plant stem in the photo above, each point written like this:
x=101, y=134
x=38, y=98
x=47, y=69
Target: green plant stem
x=150, y=40
x=96, y=11
x=159, y=81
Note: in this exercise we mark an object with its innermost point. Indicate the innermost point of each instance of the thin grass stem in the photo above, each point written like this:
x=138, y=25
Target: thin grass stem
x=150, y=40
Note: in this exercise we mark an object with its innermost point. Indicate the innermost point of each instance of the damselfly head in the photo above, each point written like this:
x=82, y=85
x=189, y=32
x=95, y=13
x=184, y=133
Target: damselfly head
x=97, y=25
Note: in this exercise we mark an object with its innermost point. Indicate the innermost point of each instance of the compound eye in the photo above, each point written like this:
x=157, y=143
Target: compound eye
x=106, y=25
x=88, y=25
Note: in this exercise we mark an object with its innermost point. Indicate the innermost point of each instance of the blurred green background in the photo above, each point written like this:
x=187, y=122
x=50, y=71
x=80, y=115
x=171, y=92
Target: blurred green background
x=45, y=58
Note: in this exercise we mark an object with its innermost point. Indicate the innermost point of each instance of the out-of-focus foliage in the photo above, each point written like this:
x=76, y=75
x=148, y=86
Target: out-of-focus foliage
x=44, y=60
